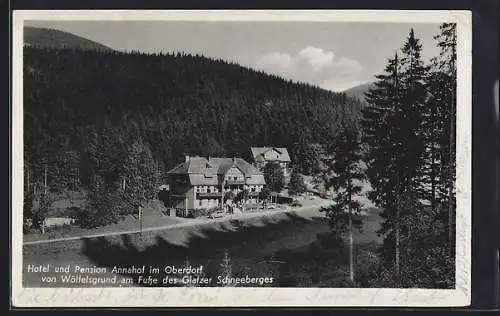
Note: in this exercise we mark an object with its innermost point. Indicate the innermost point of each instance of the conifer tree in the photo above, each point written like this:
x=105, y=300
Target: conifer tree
x=187, y=265
x=443, y=89
x=403, y=128
x=296, y=184
x=273, y=174
x=141, y=172
x=381, y=153
x=226, y=268
x=346, y=171
x=411, y=129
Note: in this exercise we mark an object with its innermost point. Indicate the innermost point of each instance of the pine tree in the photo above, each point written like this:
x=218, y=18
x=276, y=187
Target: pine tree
x=382, y=151
x=403, y=128
x=187, y=265
x=307, y=156
x=412, y=109
x=443, y=88
x=346, y=173
x=141, y=173
x=273, y=174
x=296, y=184
x=226, y=269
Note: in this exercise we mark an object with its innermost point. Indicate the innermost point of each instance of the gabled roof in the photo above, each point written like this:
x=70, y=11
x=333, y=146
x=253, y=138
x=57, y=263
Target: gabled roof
x=258, y=153
x=213, y=166
x=224, y=164
x=197, y=165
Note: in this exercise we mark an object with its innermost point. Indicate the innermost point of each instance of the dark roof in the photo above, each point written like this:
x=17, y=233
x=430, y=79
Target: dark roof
x=213, y=165
x=258, y=153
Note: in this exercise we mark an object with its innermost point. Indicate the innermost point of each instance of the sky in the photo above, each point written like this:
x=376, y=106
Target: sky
x=332, y=55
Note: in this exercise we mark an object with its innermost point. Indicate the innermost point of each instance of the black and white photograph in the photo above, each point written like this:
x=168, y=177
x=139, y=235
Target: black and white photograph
x=243, y=158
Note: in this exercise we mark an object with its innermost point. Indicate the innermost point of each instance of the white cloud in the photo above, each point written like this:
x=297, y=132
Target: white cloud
x=317, y=57
x=282, y=60
x=313, y=65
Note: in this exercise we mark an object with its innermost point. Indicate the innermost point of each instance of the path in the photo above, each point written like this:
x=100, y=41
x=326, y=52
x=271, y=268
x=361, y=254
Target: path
x=313, y=205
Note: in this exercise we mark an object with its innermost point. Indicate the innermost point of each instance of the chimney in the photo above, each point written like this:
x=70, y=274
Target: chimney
x=186, y=158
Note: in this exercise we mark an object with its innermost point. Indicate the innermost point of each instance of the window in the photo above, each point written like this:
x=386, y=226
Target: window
x=235, y=178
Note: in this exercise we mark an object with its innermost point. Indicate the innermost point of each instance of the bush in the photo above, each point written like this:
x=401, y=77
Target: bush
x=96, y=217
x=39, y=214
x=368, y=268
x=27, y=224
x=252, y=206
x=59, y=231
x=104, y=208
x=434, y=270
x=201, y=212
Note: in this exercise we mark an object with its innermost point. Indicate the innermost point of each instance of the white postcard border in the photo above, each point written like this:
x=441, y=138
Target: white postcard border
x=253, y=297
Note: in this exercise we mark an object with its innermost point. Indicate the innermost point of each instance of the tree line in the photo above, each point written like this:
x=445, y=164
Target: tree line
x=407, y=142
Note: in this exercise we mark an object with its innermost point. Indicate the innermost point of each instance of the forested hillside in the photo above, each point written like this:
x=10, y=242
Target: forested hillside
x=50, y=38
x=84, y=109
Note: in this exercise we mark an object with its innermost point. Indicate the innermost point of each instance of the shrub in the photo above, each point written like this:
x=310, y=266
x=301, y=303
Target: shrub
x=27, y=224
x=201, y=212
x=103, y=209
x=39, y=214
x=368, y=267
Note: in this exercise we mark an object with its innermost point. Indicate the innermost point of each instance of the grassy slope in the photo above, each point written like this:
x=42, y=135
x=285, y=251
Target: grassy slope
x=153, y=217
x=291, y=236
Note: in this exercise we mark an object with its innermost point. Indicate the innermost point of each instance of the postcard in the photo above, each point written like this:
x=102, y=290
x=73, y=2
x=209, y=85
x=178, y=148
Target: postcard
x=241, y=158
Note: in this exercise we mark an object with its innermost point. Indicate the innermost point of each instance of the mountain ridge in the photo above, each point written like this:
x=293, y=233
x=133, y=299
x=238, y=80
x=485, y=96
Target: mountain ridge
x=42, y=37
x=359, y=90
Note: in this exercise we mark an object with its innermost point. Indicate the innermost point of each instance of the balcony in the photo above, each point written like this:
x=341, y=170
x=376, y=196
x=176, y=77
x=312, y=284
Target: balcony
x=235, y=182
x=208, y=194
